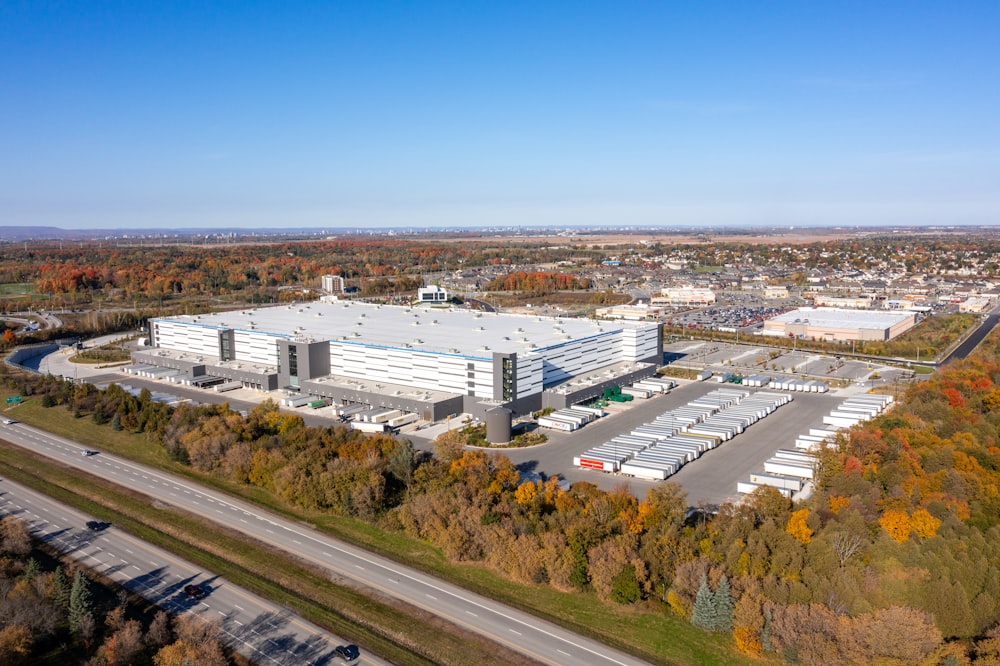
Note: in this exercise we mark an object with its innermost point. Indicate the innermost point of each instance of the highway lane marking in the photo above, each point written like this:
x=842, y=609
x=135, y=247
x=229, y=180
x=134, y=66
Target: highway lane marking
x=471, y=613
x=563, y=651
x=515, y=631
x=413, y=577
x=430, y=596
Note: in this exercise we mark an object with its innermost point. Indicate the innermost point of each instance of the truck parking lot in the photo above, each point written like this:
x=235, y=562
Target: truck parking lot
x=711, y=479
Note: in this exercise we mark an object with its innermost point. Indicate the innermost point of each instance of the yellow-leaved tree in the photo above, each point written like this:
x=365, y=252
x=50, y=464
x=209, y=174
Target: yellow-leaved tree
x=896, y=523
x=924, y=524
x=797, y=526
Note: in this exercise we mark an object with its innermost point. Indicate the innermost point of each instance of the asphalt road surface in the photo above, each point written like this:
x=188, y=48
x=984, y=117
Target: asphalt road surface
x=256, y=628
x=973, y=340
x=544, y=641
x=710, y=480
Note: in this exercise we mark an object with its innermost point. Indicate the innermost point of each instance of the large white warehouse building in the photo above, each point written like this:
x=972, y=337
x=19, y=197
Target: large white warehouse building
x=431, y=361
x=837, y=324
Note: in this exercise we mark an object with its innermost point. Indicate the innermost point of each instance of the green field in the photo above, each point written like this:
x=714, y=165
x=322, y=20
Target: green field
x=17, y=289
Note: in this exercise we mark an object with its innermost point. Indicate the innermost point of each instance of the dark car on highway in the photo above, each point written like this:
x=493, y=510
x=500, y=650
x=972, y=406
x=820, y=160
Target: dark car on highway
x=348, y=652
x=97, y=526
x=195, y=591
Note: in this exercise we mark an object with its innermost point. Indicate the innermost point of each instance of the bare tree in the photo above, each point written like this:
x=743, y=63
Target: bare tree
x=846, y=546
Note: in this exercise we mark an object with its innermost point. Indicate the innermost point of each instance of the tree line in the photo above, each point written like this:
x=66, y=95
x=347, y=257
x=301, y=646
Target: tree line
x=51, y=613
x=900, y=538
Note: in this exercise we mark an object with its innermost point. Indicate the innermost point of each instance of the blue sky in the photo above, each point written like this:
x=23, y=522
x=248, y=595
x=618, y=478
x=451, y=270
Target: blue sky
x=343, y=114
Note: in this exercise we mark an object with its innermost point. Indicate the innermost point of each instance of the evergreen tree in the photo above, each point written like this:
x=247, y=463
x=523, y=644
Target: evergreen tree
x=765, y=634
x=116, y=422
x=703, y=613
x=723, y=606
x=625, y=586
x=60, y=588
x=80, y=603
x=31, y=569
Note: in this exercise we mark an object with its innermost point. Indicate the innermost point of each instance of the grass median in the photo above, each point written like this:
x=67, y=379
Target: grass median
x=651, y=633
x=391, y=629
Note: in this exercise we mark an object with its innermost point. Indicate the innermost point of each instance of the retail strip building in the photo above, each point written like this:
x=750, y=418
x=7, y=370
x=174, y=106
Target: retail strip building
x=431, y=361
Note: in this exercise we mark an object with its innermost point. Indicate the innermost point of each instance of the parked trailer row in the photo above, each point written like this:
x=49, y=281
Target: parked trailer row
x=636, y=392
x=659, y=448
x=747, y=487
x=296, y=400
x=596, y=411
x=402, y=420
x=879, y=405
x=227, y=386
x=809, y=442
x=586, y=415
x=556, y=424
x=647, y=471
x=349, y=410
x=793, y=483
x=791, y=454
x=840, y=422
x=656, y=384
x=366, y=426
x=377, y=415
x=206, y=382
x=800, y=385
x=790, y=468
x=880, y=398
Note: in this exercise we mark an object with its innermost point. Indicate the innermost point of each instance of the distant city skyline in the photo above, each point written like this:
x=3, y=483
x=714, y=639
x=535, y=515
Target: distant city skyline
x=140, y=115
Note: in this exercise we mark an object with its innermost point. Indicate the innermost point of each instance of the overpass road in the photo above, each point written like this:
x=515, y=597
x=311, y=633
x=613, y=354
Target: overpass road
x=264, y=633
x=541, y=640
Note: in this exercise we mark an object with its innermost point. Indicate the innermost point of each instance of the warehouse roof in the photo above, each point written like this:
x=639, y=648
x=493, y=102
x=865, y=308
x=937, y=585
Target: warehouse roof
x=441, y=330
x=843, y=318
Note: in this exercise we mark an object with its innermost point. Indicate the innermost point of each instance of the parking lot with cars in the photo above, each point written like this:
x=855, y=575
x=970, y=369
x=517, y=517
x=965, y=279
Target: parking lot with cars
x=723, y=318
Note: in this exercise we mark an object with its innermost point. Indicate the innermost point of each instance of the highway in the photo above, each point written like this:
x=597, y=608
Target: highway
x=977, y=336
x=541, y=640
x=263, y=632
